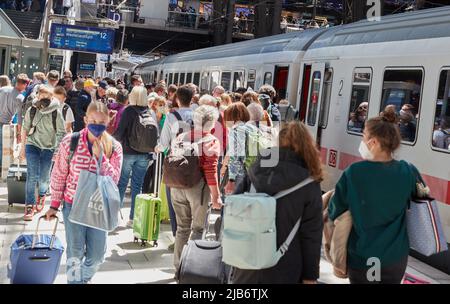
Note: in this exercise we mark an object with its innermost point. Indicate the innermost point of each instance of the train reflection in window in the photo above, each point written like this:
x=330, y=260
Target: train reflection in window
x=359, y=99
x=401, y=93
x=441, y=129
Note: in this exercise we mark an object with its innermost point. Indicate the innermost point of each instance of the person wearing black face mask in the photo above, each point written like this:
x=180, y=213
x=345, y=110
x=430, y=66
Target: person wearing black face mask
x=43, y=129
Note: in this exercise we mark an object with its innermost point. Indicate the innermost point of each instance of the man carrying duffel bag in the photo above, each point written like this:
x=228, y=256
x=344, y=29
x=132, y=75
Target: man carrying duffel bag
x=35, y=258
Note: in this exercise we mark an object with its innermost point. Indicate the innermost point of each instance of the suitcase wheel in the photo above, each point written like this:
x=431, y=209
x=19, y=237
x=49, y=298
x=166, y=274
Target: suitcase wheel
x=143, y=243
x=136, y=240
x=155, y=243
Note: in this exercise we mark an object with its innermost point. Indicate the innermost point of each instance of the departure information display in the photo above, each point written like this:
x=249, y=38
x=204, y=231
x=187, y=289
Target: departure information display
x=82, y=38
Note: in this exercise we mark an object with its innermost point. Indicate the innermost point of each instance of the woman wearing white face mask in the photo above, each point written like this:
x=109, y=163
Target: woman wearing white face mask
x=376, y=191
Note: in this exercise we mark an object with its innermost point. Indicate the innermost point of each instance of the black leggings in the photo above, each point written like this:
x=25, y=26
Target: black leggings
x=389, y=275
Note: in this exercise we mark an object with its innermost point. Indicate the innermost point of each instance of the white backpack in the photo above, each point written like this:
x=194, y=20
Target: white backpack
x=249, y=235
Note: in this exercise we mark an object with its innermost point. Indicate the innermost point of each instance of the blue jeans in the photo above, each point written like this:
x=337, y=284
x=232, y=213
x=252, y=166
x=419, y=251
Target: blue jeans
x=86, y=248
x=135, y=165
x=39, y=162
x=173, y=217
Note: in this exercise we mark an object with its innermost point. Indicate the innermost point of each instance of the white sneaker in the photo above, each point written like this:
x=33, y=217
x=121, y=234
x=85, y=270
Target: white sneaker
x=130, y=224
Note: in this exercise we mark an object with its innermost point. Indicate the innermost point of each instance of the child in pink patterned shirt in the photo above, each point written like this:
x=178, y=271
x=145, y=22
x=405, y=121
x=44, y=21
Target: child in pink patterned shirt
x=86, y=246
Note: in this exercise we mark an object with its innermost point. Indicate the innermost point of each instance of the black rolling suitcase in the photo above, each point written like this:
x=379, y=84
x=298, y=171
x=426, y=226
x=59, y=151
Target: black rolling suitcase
x=15, y=183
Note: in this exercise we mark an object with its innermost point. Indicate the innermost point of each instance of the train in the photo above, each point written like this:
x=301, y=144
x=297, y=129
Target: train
x=327, y=73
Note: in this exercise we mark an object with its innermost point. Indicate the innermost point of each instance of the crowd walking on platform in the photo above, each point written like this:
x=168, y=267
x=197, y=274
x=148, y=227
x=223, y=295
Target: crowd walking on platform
x=211, y=150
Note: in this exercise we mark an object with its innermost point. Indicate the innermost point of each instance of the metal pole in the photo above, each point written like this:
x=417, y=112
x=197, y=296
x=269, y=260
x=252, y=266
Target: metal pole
x=46, y=30
x=123, y=37
x=314, y=10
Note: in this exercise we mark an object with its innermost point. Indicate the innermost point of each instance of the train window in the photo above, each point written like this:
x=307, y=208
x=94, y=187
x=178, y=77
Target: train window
x=204, y=83
x=238, y=80
x=251, y=79
x=326, y=93
x=359, y=99
x=175, y=78
x=170, y=78
x=441, y=129
x=215, y=80
x=166, y=77
x=226, y=80
x=188, y=77
x=196, y=79
x=268, y=78
x=401, y=93
x=314, y=95
x=182, y=75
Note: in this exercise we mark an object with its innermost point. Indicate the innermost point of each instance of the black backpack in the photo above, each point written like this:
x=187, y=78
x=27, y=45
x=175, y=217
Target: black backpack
x=143, y=135
x=64, y=110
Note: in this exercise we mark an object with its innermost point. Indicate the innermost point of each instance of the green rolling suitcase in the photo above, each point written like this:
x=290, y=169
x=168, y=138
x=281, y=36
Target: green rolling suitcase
x=147, y=213
x=147, y=216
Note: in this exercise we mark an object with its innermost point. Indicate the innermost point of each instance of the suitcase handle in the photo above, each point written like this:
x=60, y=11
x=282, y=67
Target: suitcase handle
x=206, y=227
x=35, y=236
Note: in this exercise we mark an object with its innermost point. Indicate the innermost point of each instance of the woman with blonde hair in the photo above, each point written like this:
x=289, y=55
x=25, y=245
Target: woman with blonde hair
x=225, y=102
x=135, y=163
x=4, y=81
x=297, y=159
x=159, y=107
x=86, y=247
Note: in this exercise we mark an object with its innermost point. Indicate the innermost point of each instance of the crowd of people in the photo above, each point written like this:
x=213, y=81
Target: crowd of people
x=67, y=126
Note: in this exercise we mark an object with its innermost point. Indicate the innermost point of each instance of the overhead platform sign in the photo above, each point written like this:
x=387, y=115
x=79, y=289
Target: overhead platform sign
x=82, y=38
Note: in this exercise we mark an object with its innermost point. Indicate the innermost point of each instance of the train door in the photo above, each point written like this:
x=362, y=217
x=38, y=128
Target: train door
x=281, y=81
x=304, y=92
x=315, y=98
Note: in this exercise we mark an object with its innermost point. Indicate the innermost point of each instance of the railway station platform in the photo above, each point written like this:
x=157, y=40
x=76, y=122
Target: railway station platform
x=129, y=263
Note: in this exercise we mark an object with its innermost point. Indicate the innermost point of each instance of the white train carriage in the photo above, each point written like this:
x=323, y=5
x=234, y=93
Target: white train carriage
x=400, y=60
x=327, y=74
x=272, y=60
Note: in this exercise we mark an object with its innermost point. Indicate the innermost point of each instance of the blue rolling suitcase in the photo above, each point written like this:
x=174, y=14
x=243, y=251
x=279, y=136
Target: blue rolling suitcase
x=35, y=258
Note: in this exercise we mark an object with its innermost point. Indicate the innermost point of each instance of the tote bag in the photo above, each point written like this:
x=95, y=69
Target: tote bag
x=97, y=201
x=425, y=232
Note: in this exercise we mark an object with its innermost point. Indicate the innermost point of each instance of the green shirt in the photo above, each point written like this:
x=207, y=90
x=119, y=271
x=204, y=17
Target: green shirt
x=45, y=136
x=377, y=195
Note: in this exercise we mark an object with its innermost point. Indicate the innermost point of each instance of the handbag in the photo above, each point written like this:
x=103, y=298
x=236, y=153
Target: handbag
x=97, y=201
x=425, y=232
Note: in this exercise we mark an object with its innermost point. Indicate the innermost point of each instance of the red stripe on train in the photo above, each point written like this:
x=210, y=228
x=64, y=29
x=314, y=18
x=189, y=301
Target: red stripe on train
x=440, y=188
x=346, y=160
x=323, y=155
